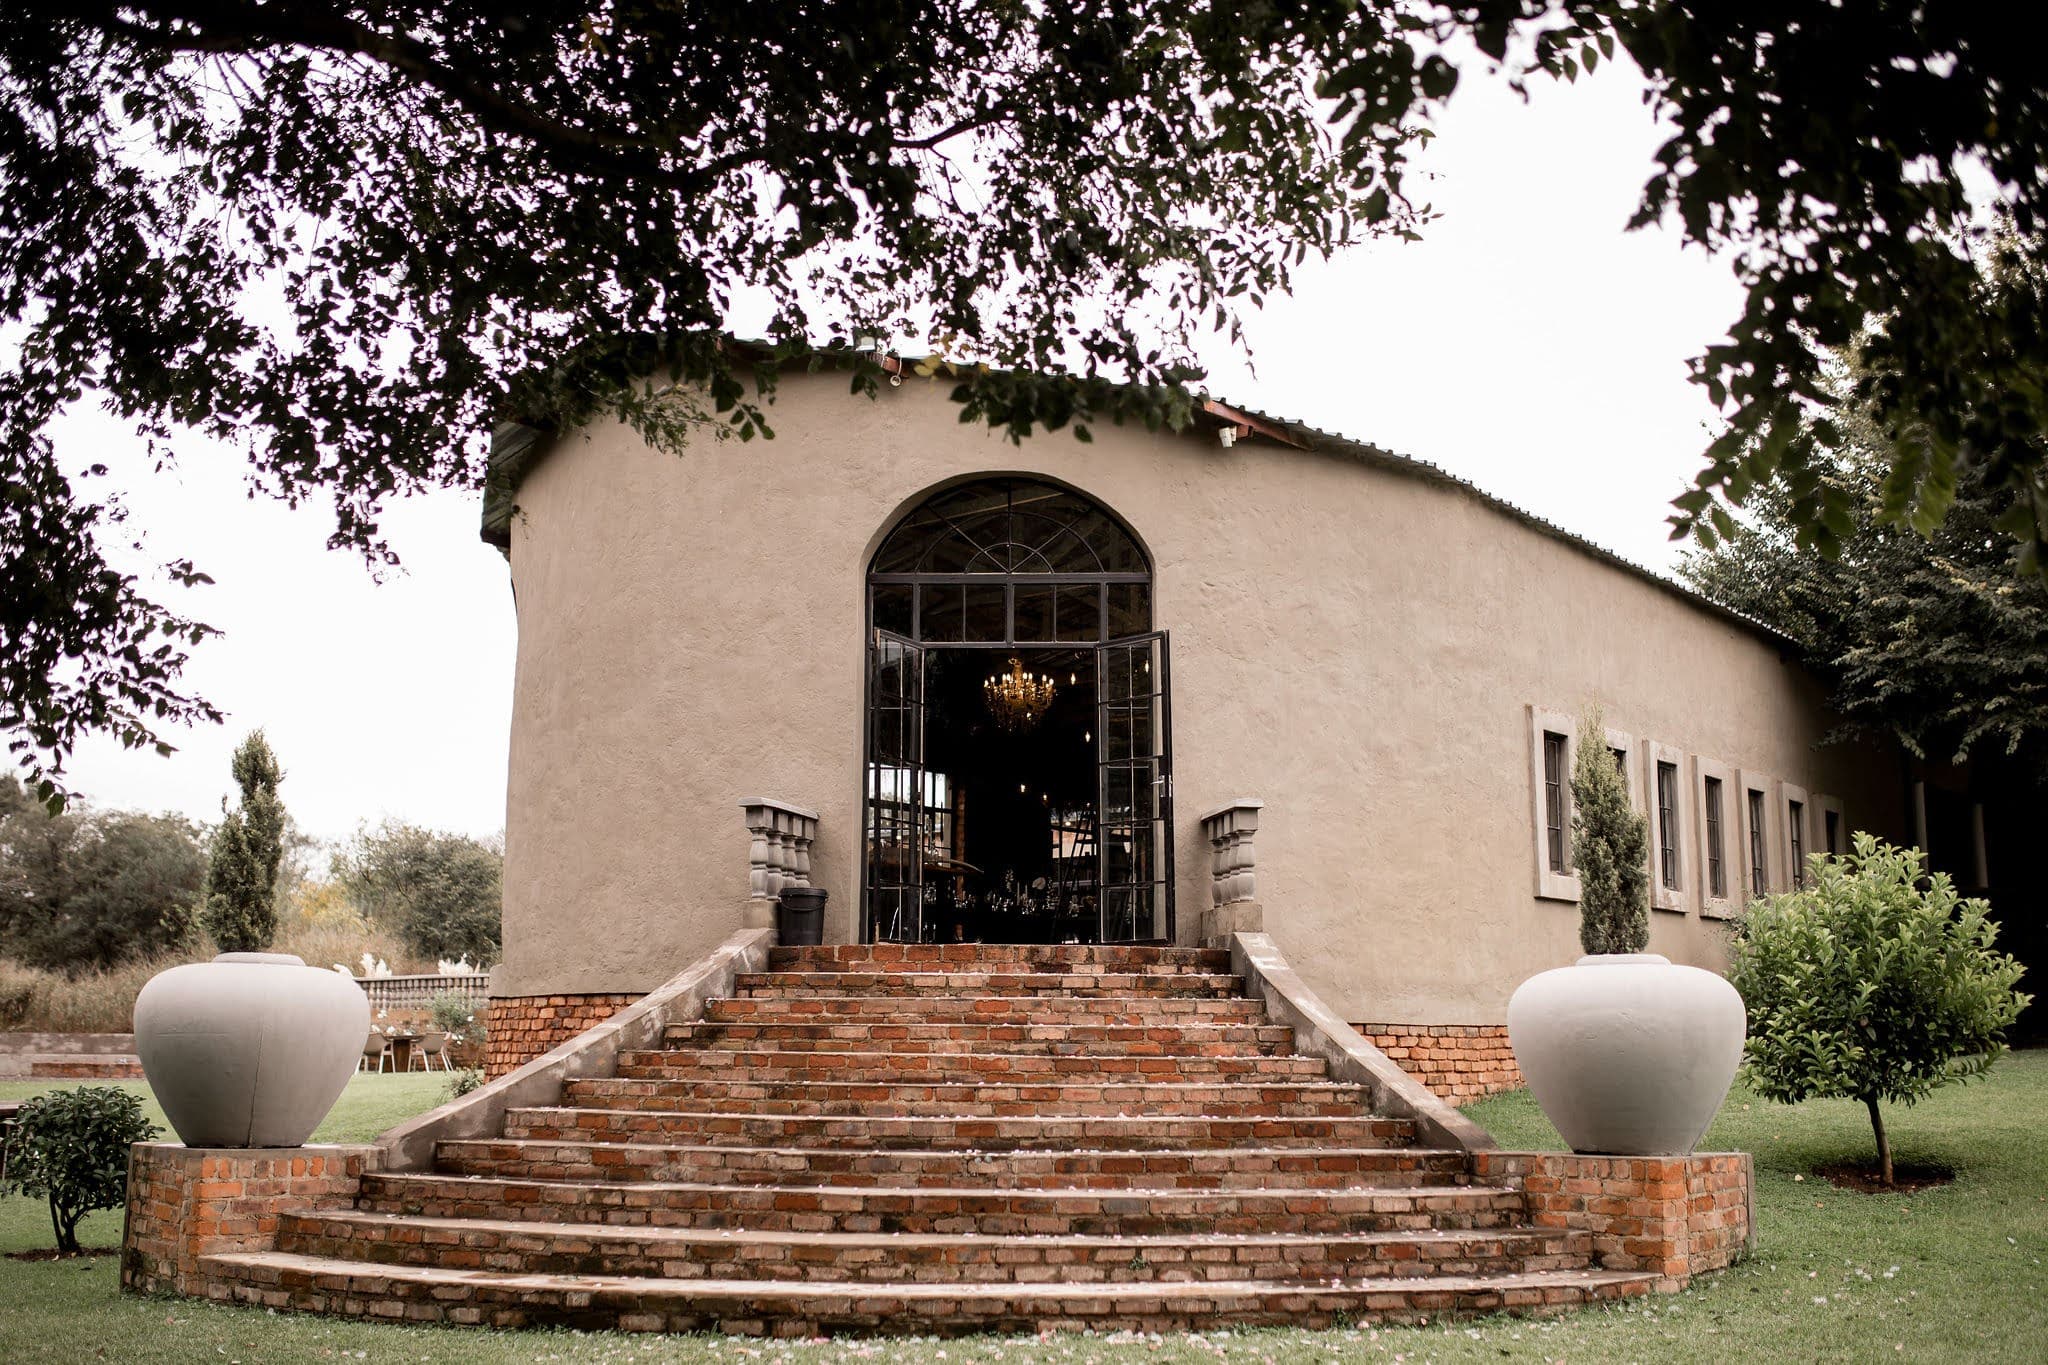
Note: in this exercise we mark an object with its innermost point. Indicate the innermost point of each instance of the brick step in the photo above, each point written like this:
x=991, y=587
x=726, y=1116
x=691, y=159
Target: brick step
x=527, y=1248
x=1027, y=985
x=1252, y=1168
x=765, y=1064
x=1072, y=957
x=1010, y=1038
x=961, y=1212
x=895, y=1131
x=1121, y=1010
x=749, y=1307
x=786, y=1095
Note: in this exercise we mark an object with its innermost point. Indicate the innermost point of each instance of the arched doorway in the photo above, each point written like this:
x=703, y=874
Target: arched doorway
x=1018, y=770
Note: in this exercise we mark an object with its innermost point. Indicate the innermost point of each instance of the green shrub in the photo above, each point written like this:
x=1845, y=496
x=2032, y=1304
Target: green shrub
x=1610, y=849
x=464, y=1081
x=71, y=1147
x=1864, y=986
x=452, y=1013
x=241, y=875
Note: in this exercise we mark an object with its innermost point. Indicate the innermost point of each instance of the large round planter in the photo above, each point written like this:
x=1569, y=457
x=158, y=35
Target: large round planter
x=250, y=1049
x=1627, y=1054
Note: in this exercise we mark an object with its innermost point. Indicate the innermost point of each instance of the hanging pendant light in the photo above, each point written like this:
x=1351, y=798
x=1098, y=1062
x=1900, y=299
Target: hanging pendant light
x=1017, y=699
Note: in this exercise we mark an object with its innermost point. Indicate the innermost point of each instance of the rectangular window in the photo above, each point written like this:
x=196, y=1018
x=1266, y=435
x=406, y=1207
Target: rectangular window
x=1795, y=812
x=1620, y=762
x=1717, y=863
x=1553, y=797
x=1834, y=832
x=1756, y=844
x=1667, y=824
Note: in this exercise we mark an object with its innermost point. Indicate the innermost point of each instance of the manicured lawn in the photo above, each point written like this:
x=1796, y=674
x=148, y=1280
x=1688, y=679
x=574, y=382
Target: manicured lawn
x=1953, y=1274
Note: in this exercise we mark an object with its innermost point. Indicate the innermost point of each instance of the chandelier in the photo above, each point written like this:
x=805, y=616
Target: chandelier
x=1018, y=699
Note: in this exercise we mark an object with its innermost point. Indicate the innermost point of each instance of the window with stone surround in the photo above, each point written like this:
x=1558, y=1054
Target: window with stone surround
x=1756, y=823
x=1794, y=804
x=1673, y=866
x=1552, y=746
x=1716, y=827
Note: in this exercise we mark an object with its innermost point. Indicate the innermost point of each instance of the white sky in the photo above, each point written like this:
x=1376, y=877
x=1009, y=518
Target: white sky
x=1528, y=345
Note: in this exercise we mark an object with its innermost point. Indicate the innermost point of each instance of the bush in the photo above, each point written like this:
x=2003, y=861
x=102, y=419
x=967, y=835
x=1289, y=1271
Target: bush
x=464, y=1081
x=85, y=890
x=442, y=894
x=1865, y=987
x=1610, y=849
x=71, y=1147
x=241, y=875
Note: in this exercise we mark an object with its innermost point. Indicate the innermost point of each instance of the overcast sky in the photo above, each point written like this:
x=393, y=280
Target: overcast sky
x=1528, y=345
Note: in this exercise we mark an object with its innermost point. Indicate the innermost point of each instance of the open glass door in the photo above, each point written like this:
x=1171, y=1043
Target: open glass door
x=1135, y=789
x=895, y=818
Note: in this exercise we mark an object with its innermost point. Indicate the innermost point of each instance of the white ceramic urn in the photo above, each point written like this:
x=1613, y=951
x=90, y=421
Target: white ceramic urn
x=250, y=1049
x=1627, y=1054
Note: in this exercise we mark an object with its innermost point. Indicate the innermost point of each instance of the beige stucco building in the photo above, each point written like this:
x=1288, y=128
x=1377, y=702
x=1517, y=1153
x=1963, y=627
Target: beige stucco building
x=1292, y=677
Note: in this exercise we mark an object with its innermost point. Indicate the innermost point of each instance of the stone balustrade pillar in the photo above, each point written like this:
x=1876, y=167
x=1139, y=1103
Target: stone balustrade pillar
x=779, y=854
x=1233, y=891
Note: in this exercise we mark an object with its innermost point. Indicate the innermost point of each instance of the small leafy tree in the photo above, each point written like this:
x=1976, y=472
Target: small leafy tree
x=241, y=890
x=71, y=1148
x=1610, y=849
x=1866, y=987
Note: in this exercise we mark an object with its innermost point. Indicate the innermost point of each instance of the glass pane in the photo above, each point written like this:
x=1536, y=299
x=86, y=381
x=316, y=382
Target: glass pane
x=1130, y=609
x=1034, y=613
x=1140, y=726
x=1122, y=732
x=1116, y=676
x=1080, y=611
x=940, y=615
x=1142, y=791
x=987, y=613
x=893, y=606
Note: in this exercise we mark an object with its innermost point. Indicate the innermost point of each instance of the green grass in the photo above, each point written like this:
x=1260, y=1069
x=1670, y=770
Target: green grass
x=1954, y=1273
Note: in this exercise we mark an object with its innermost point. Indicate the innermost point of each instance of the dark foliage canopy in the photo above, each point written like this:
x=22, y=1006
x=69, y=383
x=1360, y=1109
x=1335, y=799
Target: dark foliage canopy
x=83, y=889
x=351, y=236
x=442, y=894
x=1929, y=641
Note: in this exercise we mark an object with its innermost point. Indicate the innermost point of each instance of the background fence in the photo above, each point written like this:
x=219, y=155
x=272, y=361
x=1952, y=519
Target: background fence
x=418, y=992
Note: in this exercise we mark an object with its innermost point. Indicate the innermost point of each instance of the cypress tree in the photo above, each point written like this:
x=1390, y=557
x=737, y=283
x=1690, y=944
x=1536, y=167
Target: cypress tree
x=241, y=900
x=1610, y=848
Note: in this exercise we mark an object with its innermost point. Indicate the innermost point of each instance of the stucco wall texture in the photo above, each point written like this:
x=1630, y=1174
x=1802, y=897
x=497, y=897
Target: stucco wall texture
x=1356, y=645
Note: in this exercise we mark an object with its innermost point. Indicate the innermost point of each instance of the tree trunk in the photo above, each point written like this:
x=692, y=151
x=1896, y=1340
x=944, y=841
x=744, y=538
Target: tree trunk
x=1884, y=1144
x=67, y=1233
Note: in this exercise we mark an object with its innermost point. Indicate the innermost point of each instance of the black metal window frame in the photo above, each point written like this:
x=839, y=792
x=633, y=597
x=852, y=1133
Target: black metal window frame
x=1554, y=798
x=1667, y=819
x=1009, y=584
x=1717, y=848
x=1833, y=832
x=1757, y=846
x=1115, y=623
x=1795, y=816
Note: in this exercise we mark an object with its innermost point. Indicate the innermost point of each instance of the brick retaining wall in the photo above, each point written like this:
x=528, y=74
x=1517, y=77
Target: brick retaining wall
x=185, y=1203
x=522, y=1027
x=1460, y=1062
x=1677, y=1216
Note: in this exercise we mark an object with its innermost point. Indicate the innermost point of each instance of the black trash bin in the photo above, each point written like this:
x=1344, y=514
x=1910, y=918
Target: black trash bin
x=800, y=916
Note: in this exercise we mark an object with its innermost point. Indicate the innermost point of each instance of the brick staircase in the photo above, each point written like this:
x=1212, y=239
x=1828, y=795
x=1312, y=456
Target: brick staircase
x=941, y=1140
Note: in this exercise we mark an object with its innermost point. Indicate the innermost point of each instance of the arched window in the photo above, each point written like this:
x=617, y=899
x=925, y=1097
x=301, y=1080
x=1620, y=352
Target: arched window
x=1010, y=561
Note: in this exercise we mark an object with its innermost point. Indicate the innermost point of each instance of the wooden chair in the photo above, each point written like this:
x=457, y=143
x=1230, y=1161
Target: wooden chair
x=376, y=1053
